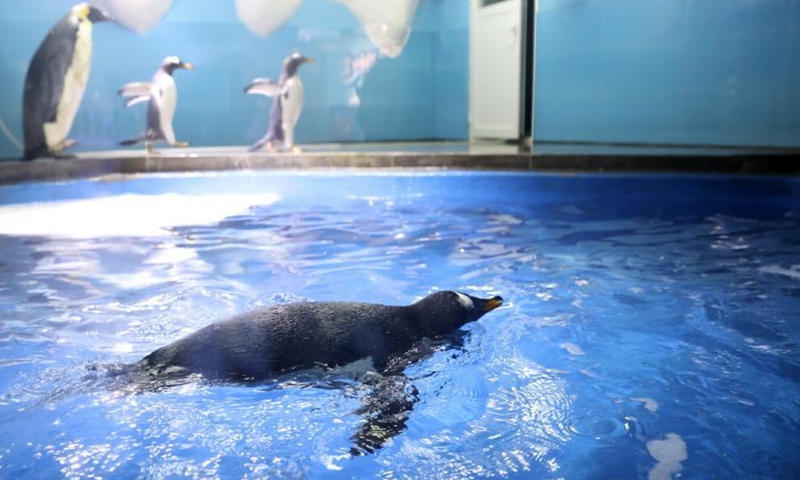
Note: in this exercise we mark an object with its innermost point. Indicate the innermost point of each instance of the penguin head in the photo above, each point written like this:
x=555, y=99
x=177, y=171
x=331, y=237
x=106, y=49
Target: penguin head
x=172, y=63
x=293, y=62
x=446, y=311
x=87, y=13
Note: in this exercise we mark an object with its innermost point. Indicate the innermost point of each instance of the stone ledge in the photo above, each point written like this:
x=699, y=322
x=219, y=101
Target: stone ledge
x=12, y=172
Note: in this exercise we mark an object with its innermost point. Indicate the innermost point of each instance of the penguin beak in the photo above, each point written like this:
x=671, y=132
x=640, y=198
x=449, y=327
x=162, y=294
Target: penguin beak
x=308, y=60
x=492, y=303
x=96, y=15
x=187, y=66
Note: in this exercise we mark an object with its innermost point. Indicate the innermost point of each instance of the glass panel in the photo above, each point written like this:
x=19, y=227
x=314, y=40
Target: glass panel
x=668, y=73
x=398, y=73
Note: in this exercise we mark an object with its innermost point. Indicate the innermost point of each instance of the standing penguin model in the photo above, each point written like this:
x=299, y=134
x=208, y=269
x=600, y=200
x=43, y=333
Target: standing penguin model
x=56, y=81
x=265, y=343
x=286, y=106
x=161, y=96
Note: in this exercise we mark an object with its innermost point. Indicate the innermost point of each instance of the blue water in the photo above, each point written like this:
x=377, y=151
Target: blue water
x=651, y=326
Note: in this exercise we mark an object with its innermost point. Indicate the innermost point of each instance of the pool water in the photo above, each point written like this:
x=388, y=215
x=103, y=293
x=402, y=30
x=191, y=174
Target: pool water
x=651, y=328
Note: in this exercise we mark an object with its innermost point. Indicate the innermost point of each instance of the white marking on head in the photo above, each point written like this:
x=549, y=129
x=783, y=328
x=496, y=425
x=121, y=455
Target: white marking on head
x=81, y=9
x=171, y=60
x=465, y=300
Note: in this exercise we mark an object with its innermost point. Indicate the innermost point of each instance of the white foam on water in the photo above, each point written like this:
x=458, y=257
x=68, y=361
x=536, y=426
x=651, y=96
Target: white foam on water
x=791, y=272
x=669, y=453
x=649, y=404
x=572, y=349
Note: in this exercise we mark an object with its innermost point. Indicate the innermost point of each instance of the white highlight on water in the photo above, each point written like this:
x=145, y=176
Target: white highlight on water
x=128, y=215
x=791, y=272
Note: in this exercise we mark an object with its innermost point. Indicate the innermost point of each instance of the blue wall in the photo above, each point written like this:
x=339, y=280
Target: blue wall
x=422, y=94
x=712, y=72
x=451, y=64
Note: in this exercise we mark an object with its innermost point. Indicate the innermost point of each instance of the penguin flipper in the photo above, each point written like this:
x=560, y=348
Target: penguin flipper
x=133, y=101
x=135, y=89
x=136, y=92
x=264, y=86
x=392, y=398
x=386, y=410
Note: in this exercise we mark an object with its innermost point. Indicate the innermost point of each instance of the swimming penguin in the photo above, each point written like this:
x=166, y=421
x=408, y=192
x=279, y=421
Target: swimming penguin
x=55, y=83
x=262, y=344
x=161, y=96
x=286, y=107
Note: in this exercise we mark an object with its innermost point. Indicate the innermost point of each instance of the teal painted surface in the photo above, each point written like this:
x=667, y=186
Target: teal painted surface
x=723, y=72
x=420, y=95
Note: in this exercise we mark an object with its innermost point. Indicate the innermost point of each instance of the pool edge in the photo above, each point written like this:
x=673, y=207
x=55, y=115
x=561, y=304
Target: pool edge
x=13, y=172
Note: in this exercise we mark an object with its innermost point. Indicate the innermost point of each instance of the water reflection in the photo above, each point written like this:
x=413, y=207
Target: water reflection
x=387, y=25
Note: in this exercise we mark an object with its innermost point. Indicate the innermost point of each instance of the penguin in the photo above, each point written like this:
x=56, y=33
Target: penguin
x=265, y=343
x=55, y=83
x=273, y=343
x=286, y=106
x=161, y=96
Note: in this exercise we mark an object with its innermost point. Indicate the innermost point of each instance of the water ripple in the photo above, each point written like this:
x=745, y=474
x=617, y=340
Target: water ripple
x=683, y=306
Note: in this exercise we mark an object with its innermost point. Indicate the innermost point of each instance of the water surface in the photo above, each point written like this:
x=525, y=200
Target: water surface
x=650, y=329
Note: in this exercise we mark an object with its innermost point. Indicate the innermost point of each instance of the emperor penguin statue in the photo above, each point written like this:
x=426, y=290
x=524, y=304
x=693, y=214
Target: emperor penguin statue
x=286, y=106
x=55, y=83
x=161, y=96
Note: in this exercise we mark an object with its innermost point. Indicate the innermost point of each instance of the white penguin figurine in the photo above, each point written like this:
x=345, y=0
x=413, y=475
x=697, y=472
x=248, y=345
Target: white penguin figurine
x=161, y=96
x=286, y=106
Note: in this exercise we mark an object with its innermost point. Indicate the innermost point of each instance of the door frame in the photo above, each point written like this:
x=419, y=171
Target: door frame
x=526, y=37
